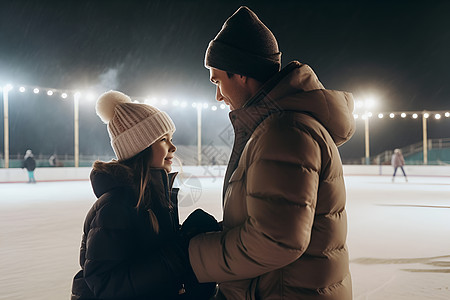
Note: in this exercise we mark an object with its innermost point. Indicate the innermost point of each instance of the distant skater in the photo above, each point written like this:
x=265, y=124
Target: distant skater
x=398, y=161
x=30, y=164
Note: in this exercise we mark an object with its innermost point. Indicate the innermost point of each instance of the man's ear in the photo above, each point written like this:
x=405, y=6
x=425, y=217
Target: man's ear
x=243, y=79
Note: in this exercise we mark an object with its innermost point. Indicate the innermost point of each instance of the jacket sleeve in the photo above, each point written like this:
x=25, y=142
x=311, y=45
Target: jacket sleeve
x=280, y=194
x=114, y=270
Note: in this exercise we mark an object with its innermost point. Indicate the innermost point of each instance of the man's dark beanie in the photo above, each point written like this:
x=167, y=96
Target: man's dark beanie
x=244, y=46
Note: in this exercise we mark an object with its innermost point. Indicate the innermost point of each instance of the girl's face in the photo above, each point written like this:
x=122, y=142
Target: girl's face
x=162, y=152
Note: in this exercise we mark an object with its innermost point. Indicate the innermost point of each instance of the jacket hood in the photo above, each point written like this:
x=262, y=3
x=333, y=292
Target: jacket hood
x=106, y=176
x=297, y=88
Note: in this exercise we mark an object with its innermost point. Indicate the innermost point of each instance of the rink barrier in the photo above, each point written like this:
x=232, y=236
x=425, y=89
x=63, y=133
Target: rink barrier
x=17, y=175
x=45, y=174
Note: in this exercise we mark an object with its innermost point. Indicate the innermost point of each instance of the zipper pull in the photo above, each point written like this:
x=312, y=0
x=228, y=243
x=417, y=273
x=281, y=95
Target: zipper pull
x=182, y=290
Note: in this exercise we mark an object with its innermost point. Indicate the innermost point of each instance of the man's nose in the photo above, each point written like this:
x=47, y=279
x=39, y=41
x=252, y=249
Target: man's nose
x=219, y=96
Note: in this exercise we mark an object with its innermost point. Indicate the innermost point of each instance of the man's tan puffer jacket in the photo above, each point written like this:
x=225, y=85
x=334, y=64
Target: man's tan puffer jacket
x=284, y=217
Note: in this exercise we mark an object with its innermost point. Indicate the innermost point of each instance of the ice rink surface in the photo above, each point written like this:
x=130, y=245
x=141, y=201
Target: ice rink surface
x=398, y=234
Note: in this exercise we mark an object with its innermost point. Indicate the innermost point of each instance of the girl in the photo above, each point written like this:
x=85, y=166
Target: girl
x=131, y=247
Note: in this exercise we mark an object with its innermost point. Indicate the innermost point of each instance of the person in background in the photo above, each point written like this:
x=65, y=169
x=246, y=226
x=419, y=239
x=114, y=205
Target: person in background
x=131, y=247
x=53, y=160
x=284, y=218
x=29, y=163
x=397, y=161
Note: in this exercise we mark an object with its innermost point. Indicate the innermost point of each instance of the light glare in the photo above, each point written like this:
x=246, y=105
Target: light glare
x=90, y=96
x=370, y=102
x=8, y=87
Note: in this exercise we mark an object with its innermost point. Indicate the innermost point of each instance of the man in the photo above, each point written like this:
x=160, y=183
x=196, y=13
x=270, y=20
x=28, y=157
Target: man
x=284, y=220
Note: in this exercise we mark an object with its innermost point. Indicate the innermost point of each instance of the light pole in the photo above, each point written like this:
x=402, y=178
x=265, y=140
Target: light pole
x=367, y=104
x=366, y=138
x=199, y=134
x=6, y=90
x=76, y=102
x=425, y=116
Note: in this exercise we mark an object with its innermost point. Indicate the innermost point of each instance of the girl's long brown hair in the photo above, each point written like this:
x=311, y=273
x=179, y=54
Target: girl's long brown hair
x=140, y=167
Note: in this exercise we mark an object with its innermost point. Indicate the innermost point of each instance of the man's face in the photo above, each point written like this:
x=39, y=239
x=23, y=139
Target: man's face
x=231, y=90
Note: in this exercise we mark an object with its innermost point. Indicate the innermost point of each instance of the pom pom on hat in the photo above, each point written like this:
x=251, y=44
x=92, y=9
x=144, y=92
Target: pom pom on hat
x=107, y=103
x=132, y=127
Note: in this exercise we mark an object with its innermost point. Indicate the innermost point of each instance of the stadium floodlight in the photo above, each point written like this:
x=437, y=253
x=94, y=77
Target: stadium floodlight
x=447, y=114
x=380, y=116
x=22, y=89
x=414, y=116
x=214, y=108
x=391, y=115
x=437, y=116
x=64, y=95
x=50, y=92
x=403, y=115
x=356, y=116
x=222, y=106
x=426, y=115
x=36, y=90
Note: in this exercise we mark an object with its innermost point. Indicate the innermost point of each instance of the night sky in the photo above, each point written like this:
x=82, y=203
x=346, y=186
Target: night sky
x=396, y=51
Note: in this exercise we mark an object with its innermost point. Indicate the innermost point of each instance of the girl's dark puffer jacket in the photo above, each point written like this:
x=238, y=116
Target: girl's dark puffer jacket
x=121, y=256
